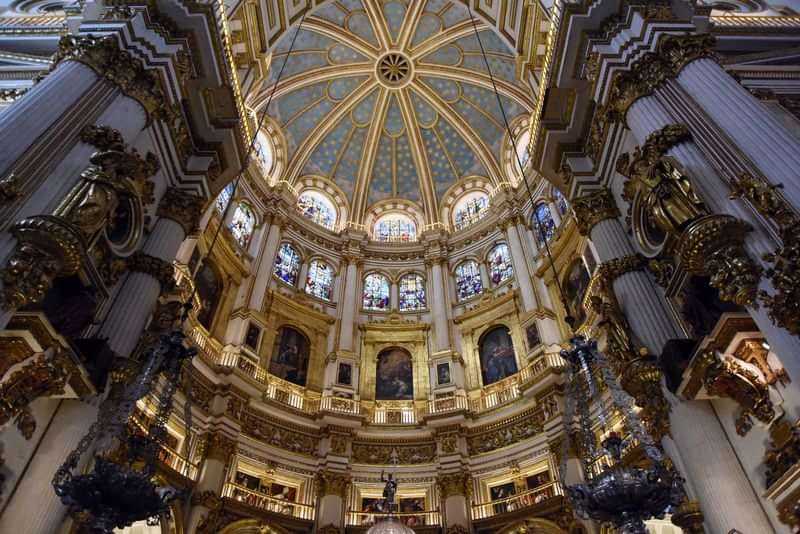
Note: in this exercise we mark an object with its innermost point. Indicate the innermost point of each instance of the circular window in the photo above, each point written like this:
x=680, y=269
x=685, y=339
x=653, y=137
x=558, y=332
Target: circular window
x=394, y=69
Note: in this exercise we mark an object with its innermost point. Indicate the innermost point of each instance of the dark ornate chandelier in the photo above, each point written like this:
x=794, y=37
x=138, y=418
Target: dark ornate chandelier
x=622, y=495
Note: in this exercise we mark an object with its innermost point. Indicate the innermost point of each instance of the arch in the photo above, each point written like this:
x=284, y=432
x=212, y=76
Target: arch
x=468, y=280
x=264, y=152
x=252, y=526
x=329, y=188
x=209, y=284
x=290, y=355
x=319, y=280
x=287, y=263
x=498, y=358
x=469, y=209
x=376, y=292
x=394, y=375
x=518, y=150
x=412, y=293
x=243, y=224
x=499, y=262
x=318, y=208
x=462, y=188
x=394, y=227
x=533, y=525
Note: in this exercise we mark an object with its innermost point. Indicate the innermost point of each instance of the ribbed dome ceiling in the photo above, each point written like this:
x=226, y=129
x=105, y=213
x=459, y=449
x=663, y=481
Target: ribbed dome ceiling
x=393, y=100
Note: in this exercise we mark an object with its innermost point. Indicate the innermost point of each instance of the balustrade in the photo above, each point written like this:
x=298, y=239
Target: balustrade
x=517, y=502
x=453, y=403
x=394, y=413
x=412, y=519
x=262, y=501
x=340, y=405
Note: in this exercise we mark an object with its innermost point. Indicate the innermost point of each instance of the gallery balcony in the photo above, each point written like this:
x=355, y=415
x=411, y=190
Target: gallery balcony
x=294, y=516
x=546, y=500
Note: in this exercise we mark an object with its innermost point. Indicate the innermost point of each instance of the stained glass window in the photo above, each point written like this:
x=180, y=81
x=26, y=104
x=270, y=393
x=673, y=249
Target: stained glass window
x=317, y=208
x=395, y=228
x=319, y=281
x=468, y=280
x=561, y=202
x=242, y=224
x=262, y=151
x=287, y=264
x=470, y=210
x=412, y=292
x=500, y=268
x=543, y=225
x=376, y=292
x=522, y=152
x=224, y=198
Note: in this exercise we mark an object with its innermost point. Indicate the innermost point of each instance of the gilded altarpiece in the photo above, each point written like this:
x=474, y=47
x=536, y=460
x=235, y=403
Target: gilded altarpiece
x=282, y=311
x=395, y=332
x=490, y=313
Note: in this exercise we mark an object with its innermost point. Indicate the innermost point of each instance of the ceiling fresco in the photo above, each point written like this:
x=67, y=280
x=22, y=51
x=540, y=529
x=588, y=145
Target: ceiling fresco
x=393, y=100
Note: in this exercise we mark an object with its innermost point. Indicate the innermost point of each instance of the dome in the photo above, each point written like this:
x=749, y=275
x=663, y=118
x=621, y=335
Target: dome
x=394, y=103
x=389, y=526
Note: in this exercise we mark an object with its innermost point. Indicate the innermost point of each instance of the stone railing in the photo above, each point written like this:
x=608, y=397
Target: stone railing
x=166, y=455
x=517, y=502
x=262, y=501
x=394, y=413
x=454, y=403
x=538, y=368
x=340, y=405
x=497, y=394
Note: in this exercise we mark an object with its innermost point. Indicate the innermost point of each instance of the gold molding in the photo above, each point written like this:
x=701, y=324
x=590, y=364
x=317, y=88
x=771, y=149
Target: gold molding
x=593, y=208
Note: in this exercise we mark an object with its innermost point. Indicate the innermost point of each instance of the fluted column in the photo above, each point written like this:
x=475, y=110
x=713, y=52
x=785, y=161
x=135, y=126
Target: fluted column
x=219, y=450
x=438, y=303
x=349, y=302
x=332, y=499
x=151, y=269
x=520, y=267
x=746, y=121
x=34, y=507
x=453, y=491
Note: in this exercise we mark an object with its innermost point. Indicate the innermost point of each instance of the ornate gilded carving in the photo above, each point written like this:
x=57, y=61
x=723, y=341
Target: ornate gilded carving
x=277, y=435
x=504, y=433
x=181, y=207
x=784, y=264
x=219, y=446
x=642, y=379
x=161, y=270
x=108, y=60
x=331, y=483
x=689, y=518
x=46, y=247
x=339, y=444
x=45, y=376
x=593, y=208
x=754, y=352
x=448, y=442
x=614, y=268
x=784, y=451
x=9, y=189
x=457, y=529
x=102, y=137
x=453, y=485
x=726, y=378
x=376, y=453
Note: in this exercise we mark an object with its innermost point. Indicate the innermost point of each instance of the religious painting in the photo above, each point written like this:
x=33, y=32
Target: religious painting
x=500, y=492
x=699, y=306
x=394, y=377
x=443, y=373
x=209, y=288
x=251, y=338
x=369, y=506
x=588, y=257
x=496, y=355
x=539, y=479
x=411, y=505
x=290, y=357
x=575, y=286
x=532, y=333
x=344, y=374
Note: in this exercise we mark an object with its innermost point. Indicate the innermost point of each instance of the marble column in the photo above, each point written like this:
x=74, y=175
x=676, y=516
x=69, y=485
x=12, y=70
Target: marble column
x=152, y=268
x=332, y=499
x=746, y=121
x=438, y=303
x=717, y=478
x=33, y=507
x=349, y=303
x=219, y=450
x=521, y=266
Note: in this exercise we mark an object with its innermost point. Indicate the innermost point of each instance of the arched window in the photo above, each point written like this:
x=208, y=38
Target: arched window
x=319, y=281
x=524, y=155
x=290, y=356
x=287, y=264
x=561, y=202
x=468, y=280
x=376, y=292
x=470, y=210
x=412, y=292
x=394, y=377
x=500, y=268
x=209, y=289
x=224, y=198
x=317, y=208
x=263, y=152
x=395, y=227
x=497, y=355
x=544, y=228
x=242, y=224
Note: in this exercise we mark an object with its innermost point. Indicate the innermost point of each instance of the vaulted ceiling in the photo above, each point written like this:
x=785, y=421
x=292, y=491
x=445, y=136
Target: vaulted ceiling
x=393, y=100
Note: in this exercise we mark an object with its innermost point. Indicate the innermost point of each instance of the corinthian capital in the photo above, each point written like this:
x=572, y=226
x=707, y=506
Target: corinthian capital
x=181, y=207
x=592, y=208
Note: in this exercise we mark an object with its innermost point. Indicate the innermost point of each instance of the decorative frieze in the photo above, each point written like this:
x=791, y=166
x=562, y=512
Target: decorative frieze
x=453, y=485
x=504, y=433
x=386, y=454
x=592, y=208
x=277, y=435
x=181, y=207
x=219, y=446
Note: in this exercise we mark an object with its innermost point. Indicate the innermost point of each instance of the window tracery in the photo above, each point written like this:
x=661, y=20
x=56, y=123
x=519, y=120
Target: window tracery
x=394, y=228
x=468, y=280
x=470, y=210
x=319, y=281
x=500, y=267
x=412, y=292
x=242, y=224
x=287, y=264
x=224, y=198
x=376, y=292
x=317, y=208
x=544, y=227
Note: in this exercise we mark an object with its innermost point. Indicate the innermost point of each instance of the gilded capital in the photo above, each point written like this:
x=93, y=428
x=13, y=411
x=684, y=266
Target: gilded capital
x=613, y=269
x=331, y=483
x=161, y=270
x=592, y=208
x=219, y=446
x=181, y=207
x=453, y=485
